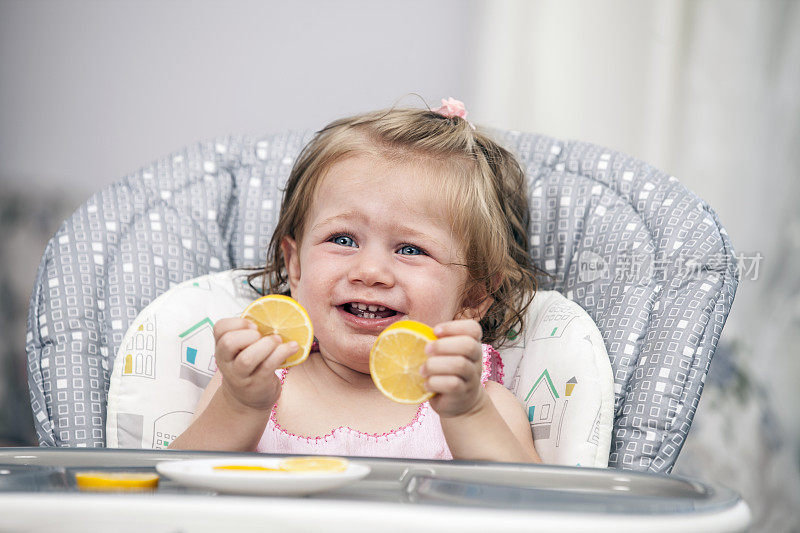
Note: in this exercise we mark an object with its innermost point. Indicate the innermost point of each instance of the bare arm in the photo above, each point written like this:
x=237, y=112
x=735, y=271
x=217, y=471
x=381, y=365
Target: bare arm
x=222, y=423
x=479, y=423
x=496, y=430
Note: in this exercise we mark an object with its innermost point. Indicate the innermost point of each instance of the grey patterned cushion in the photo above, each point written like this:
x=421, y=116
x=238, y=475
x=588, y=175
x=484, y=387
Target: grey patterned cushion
x=644, y=256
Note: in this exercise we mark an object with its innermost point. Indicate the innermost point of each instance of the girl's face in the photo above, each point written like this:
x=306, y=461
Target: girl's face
x=377, y=248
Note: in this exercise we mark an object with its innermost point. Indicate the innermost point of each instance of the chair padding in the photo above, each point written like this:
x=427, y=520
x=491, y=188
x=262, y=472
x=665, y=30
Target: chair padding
x=645, y=257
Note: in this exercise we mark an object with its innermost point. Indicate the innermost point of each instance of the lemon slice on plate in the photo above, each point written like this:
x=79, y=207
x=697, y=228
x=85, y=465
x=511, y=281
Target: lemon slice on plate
x=314, y=464
x=113, y=481
x=395, y=359
x=247, y=468
x=281, y=315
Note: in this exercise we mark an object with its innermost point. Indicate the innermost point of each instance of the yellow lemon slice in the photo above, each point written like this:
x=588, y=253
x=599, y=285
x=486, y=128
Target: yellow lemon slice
x=247, y=468
x=113, y=481
x=395, y=358
x=278, y=314
x=314, y=464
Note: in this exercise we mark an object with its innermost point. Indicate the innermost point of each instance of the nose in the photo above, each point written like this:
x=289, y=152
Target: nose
x=372, y=267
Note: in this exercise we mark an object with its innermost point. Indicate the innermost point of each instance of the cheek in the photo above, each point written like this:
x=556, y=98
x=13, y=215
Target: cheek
x=440, y=295
x=317, y=277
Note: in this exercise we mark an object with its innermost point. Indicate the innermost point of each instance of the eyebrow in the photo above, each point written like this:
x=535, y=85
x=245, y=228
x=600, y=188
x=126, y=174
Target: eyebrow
x=346, y=216
x=360, y=217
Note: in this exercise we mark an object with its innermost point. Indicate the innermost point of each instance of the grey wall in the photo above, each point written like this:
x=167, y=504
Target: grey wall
x=92, y=90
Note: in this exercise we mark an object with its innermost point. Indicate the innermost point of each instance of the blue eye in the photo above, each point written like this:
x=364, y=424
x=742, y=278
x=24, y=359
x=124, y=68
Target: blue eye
x=408, y=249
x=343, y=240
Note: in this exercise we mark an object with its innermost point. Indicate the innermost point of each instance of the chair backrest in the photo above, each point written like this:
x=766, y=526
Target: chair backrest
x=646, y=258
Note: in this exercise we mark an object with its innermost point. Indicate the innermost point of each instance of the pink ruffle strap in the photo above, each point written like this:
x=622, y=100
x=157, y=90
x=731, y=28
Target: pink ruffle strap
x=492, y=365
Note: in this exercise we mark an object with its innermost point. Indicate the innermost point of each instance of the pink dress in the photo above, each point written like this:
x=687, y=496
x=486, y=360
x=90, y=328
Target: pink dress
x=422, y=438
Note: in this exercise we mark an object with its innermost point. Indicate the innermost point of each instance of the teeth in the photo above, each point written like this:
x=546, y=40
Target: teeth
x=370, y=308
x=366, y=310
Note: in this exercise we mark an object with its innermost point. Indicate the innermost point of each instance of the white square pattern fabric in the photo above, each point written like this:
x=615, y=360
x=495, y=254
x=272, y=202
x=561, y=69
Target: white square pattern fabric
x=561, y=372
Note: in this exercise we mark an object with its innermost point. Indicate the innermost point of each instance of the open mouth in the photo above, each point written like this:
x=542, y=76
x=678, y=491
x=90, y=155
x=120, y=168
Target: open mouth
x=363, y=310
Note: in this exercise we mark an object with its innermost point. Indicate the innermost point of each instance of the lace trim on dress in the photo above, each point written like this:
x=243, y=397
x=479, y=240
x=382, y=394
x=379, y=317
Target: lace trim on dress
x=418, y=416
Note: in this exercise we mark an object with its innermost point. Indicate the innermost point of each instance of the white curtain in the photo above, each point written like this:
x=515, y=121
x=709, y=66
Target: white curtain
x=708, y=91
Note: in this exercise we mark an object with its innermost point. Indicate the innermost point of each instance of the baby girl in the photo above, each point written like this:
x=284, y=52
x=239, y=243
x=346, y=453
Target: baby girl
x=391, y=215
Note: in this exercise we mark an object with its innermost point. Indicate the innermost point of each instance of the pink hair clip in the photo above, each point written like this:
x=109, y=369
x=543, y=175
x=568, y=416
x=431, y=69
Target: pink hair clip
x=452, y=108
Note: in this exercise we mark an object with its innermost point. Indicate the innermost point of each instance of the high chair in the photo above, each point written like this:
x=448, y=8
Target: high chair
x=645, y=257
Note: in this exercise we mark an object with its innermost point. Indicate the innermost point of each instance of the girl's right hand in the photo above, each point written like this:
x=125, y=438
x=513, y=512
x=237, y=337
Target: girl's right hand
x=248, y=362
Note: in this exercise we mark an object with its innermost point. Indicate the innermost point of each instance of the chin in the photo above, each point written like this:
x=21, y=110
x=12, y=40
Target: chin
x=353, y=354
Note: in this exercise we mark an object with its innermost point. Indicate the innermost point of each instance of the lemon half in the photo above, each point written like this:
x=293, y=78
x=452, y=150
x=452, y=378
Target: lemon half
x=281, y=315
x=395, y=360
x=114, y=481
x=314, y=464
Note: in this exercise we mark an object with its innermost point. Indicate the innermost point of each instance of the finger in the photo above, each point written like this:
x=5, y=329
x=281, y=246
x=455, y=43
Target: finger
x=450, y=365
x=234, y=341
x=468, y=327
x=268, y=366
x=279, y=356
x=445, y=384
x=253, y=355
x=458, y=345
x=224, y=325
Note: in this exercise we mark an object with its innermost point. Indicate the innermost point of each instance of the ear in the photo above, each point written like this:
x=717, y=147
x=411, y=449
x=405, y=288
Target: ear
x=291, y=259
x=478, y=311
x=478, y=301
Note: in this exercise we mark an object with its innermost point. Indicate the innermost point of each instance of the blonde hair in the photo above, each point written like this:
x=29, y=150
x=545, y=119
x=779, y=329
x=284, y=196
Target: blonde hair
x=484, y=187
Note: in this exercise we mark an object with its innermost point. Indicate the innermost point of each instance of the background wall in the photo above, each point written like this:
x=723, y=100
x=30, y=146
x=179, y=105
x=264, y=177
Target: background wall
x=91, y=89
x=708, y=90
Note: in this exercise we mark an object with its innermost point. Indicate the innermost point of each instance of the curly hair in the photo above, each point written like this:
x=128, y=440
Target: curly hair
x=483, y=186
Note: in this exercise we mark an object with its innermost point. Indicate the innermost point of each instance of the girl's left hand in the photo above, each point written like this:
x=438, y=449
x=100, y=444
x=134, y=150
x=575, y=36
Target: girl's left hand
x=453, y=369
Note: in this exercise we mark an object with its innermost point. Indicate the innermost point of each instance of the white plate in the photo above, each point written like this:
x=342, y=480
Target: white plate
x=201, y=473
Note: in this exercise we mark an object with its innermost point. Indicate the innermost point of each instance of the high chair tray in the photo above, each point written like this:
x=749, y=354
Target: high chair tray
x=396, y=495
